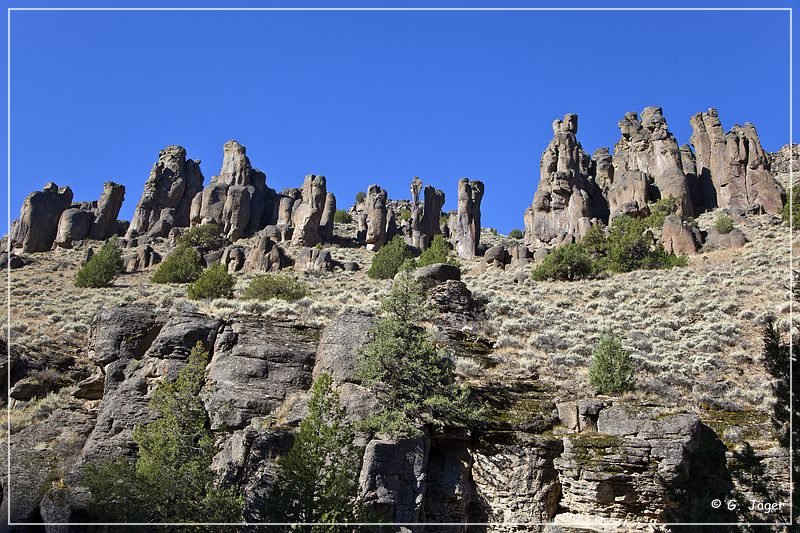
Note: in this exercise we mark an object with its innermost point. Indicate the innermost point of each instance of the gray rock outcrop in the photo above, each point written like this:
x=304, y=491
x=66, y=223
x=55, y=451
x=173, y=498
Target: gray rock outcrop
x=326, y=223
x=106, y=211
x=37, y=226
x=678, y=237
x=265, y=256
x=736, y=165
x=166, y=201
x=465, y=233
x=425, y=214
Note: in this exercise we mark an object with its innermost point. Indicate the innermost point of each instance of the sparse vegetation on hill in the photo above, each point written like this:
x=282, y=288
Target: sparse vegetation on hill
x=516, y=234
x=214, y=282
x=569, y=262
x=342, y=217
x=280, y=286
x=360, y=197
x=171, y=480
x=724, y=223
x=388, y=260
x=181, y=266
x=102, y=268
x=791, y=209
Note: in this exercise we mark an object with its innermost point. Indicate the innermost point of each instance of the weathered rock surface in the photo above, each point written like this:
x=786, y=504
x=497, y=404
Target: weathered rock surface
x=431, y=275
x=265, y=256
x=785, y=166
x=562, y=206
x=718, y=241
x=340, y=344
x=326, y=223
x=465, y=233
x=144, y=257
x=167, y=197
x=106, y=212
x=313, y=260
x=37, y=226
x=648, y=148
x=307, y=212
x=736, y=164
x=376, y=217
x=73, y=225
x=257, y=363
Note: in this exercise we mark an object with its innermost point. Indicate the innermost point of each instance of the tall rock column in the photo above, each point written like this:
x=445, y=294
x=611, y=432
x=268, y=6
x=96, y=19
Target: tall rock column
x=377, y=217
x=466, y=233
x=647, y=165
x=166, y=201
x=736, y=165
x=425, y=215
x=326, y=223
x=36, y=228
x=562, y=206
x=104, y=224
x=307, y=212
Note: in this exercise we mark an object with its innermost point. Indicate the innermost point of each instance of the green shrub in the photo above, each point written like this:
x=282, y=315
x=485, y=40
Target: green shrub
x=278, y=286
x=102, y=268
x=205, y=236
x=794, y=207
x=402, y=355
x=611, y=371
x=360, y=197
x=660, y=210
x=568, y=262
x=724, y=223
x=317, y=481
x=437, y=252
x=516, y=234
x=342, y=217
x=405, y=215
x=388, y=260
x=172, y=479
x=181, y=266
x=630, y=247
x=214, y=282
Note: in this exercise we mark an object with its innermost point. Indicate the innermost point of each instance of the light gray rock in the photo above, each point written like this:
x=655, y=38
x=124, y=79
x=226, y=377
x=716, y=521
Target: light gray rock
x=265, y=256
x=425, y=214
x=376, y=217
x=73, y=225
x=719, y=241
x=466, y=231
x=106, y=212
x=326, y=223
x=437, y=273
x=313, y=260
x=307, y=212
x=340, y=345
x=677, y=237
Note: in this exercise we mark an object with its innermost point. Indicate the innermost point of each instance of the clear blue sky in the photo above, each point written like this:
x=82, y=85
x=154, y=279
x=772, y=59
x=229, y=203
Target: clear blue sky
x=372, y=97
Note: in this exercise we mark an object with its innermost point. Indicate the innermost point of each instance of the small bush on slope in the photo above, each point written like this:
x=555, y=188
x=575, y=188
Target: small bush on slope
x=181, y=266
x=611, y=371
x=205, y=236
x=342, y=217
x=279, y=286
x=214, y=282
x=567, y=263
x=387, y=261
x=724, y=223
x=516, y=234
x=437, y=252
x=102, y=268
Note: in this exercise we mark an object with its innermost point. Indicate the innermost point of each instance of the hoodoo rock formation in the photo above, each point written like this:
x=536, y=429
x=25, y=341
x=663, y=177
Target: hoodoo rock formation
x=376, y=217
x=465, y=233
x=736, y=165
x=425, y=215
x=37, y=226
x=307, y=211
x=167, y=197
x=237, y=199
x=562, y=206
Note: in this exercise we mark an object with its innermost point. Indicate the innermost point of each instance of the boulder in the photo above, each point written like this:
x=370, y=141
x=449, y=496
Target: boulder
x=496, y=256
x=145, y=257
x=73, y=225
x=233, y=257
x=719, y=241
x=465, y=233
x=313, y=260
x=37, y=226
x=562, y=206
x=265, y=256
x=376, y=217
x=736, y=165
x=307, y=212
x=173, y=183
x=678, y=237
x=431, y=275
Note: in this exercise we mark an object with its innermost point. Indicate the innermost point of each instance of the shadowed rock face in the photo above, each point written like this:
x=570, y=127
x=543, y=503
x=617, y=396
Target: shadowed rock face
x=37, y=226
x=326, y=222
x=167, y=197
x=735, y=164
x=649, y=151
x=376, y=217
x=562, y=206
x=466, y=231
